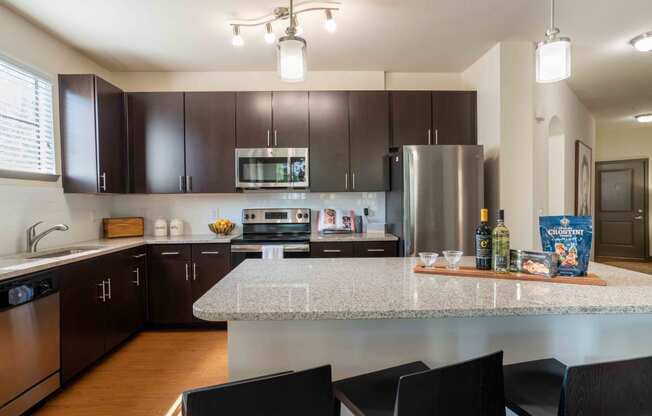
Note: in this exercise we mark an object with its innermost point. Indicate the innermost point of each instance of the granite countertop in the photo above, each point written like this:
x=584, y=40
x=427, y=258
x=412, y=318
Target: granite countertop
x=18, y=265
x=343, y=238
x=386, y=288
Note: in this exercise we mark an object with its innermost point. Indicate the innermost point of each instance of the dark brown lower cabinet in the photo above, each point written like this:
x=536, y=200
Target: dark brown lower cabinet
x=101, y=306
x=354, y=249
x=181, y=274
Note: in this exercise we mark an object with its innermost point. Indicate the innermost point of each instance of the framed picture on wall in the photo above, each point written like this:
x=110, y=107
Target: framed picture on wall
x=583, y=172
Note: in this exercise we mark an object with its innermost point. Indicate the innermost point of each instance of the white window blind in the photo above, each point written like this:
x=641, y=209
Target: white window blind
x=26, y=126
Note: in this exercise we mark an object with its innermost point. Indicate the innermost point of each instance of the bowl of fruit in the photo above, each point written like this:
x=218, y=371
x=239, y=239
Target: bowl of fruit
x=222, y=227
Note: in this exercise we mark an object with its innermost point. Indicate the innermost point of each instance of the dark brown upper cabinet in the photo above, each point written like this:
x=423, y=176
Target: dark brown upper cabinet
x=254, y=119
x=329, y=141
x=290, y=119
x=454, y=117
x=411, y=118
x=210, y=141
x=369, y=139
x=156, y=131
x=92, y=135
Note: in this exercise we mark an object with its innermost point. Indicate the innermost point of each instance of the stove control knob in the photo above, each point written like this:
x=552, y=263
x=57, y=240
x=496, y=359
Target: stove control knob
x=253, y=216
x=246, y=216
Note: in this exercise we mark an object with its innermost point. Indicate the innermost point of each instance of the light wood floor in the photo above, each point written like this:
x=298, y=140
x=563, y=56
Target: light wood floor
x=145, y=376
x=637, y=266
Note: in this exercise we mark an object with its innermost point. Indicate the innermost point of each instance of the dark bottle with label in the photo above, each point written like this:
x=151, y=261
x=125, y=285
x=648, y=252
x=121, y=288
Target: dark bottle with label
x=483, y=242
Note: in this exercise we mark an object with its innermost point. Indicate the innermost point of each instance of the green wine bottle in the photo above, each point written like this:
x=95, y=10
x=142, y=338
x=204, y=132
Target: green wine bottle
x=500, y=245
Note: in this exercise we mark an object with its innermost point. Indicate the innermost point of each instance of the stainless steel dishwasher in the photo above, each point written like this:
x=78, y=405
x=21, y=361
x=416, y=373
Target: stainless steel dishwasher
x=29, y=341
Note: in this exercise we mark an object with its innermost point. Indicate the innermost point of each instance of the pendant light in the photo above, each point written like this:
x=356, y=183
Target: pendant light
x=291, y=53
x=553, y=55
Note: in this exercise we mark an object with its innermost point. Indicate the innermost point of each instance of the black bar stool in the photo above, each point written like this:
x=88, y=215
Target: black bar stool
x=300, y=393
x=470, y=388
x=548, y=387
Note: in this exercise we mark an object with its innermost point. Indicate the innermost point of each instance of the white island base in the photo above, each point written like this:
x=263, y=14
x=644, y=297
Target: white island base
x=357, y=346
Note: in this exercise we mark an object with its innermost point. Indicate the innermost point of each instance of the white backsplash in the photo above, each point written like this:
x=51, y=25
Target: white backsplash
x=198, y=210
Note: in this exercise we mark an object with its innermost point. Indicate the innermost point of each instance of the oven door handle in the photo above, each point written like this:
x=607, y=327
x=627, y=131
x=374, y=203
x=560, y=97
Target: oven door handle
x=258, y=248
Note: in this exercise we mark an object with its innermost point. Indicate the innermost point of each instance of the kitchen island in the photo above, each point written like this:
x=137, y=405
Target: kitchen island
x=365, y=314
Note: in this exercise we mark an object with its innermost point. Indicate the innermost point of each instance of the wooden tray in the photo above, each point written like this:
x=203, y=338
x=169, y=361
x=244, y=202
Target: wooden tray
x=591, y=279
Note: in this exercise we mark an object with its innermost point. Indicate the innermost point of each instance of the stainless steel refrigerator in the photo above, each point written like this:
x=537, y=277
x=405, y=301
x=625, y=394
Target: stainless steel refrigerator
x=435, y=196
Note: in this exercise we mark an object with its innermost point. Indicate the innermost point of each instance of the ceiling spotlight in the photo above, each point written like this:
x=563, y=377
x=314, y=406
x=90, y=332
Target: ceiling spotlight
x=553, y=55
x=330, y=24
x=270, y=37
x=644, y=118
x=237, y=40
x=297, y=27
x=643, y=43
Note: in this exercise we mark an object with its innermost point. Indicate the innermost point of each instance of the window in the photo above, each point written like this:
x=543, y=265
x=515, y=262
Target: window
x=27, y=147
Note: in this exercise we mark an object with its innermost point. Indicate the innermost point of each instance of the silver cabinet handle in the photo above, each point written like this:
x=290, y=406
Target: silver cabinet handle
x=268, y=144
x=429, y=135
x=194, y=271
x=169, y=253
x=346, y=181
x=108, y=283
x=139, y=256
x=436, y=136
x=181, y=183
x=137, y=281
x=103, y=182
x=638, y=217
x=103, y=297
x=376, y=250
x=327, y=250
x=187, y=275
x=353, y=181
x=210, y=252
x=188, y=183
x=275, y=138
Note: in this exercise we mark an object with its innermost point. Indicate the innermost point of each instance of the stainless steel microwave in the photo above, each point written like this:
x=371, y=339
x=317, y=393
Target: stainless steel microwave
x=271, y=168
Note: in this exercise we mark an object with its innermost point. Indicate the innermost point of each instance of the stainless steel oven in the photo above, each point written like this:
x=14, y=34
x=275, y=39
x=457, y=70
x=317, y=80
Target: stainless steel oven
x=271, y=168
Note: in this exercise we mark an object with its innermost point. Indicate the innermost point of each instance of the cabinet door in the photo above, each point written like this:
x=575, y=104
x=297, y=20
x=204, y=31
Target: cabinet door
x=254, y=119
x=375, y=249
x=369, y=139
x=329, y=141
x=82, y=317
x=411, y=115
x=120, y=304
x=328, y=250
x=170, y=291
x=454, y=117
x=210, y=141
x=210, y=263
x=157, y=142
x=290, y=111
x=111, y=144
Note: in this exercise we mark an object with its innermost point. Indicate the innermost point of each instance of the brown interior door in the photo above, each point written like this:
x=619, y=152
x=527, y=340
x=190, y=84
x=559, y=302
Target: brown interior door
x=210, y=141
x=621, y=209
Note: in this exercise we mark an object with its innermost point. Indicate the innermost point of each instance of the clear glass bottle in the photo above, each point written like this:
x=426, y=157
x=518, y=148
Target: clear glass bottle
x=500, y=245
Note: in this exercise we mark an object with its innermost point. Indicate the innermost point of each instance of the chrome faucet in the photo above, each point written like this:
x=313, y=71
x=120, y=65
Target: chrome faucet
x=33, y=239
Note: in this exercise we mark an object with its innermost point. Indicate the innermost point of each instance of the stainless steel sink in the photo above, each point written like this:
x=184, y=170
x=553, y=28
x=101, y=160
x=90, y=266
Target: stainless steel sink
x=62, y=252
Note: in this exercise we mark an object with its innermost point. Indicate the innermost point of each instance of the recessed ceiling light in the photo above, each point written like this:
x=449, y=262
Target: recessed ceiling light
x=643, y=43
x=644, y=118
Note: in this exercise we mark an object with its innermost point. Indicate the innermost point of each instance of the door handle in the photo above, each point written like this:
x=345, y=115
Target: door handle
x=210, y=252
x=137, y=281
x=187, y=274
x=103, y=296
x=108, y=284
x=638, y=217
x=169, y=253
x=353, y=181
x=376, y=250
x=194, y=271
x=327, y=250
x=436, y=136
x=139, y=256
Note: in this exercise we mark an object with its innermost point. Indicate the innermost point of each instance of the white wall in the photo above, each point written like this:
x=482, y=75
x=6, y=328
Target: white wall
x=25, y=202
x=484, y=77
x=627, y=142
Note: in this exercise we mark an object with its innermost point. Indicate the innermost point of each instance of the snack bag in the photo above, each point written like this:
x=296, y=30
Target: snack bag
x=570, y=237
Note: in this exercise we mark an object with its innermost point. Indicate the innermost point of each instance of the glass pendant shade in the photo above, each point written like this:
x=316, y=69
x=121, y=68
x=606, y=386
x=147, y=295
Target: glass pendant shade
x=553, y=60
x=292, y=59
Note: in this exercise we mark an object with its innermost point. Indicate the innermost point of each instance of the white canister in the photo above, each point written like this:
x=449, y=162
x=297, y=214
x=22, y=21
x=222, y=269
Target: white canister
x=176, y=227
x=160, y=228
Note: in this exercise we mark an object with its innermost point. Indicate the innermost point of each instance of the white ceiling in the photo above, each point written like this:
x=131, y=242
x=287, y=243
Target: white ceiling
x=610, y=77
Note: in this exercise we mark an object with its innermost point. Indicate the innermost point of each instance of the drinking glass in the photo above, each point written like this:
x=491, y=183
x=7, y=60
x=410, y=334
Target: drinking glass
x=453, y=258
x=429, y=259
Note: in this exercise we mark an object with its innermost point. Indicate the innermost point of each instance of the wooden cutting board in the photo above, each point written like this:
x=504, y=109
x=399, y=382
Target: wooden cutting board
x=123, y=227
x=591, y=279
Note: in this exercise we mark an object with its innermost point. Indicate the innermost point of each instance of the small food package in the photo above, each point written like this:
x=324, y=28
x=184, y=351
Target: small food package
x=570, y=237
